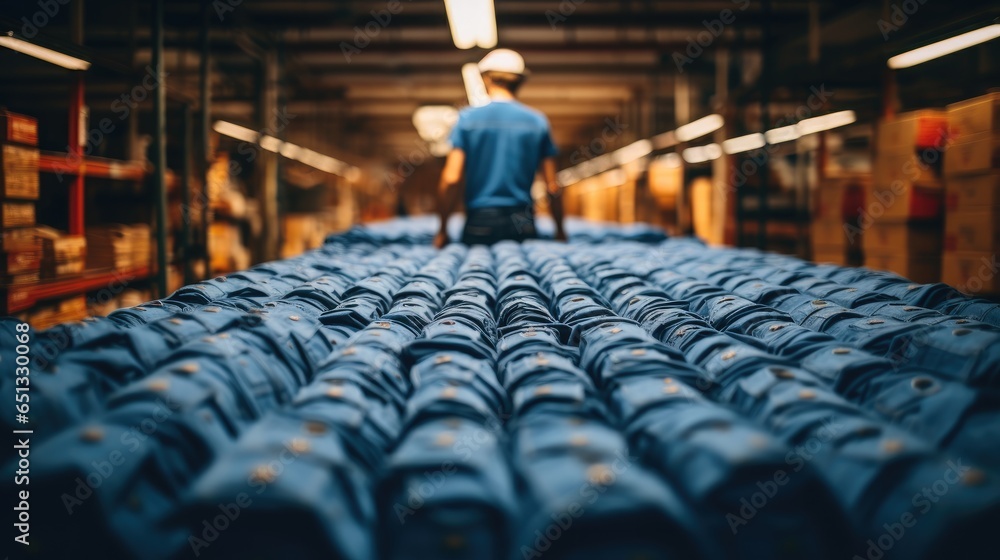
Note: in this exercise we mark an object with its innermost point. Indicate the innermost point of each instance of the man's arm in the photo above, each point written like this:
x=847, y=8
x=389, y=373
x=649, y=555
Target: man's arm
x=448, y=192
x=555, y=196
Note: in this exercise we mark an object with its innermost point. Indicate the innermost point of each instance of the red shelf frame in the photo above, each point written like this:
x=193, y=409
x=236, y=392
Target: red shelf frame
x=20, y=298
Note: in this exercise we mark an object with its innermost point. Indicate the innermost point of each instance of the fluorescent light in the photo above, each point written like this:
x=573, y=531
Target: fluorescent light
x=434, y=122
x=291, y=151
x=665, y=140
x=942, y=48
x=567, y=177
x=671, y=160
x=613, y=178
x=632, y=152
x=826, y=122
x=783, y=134
x=42, y=53
x=270, y=143
x=473, y=23
x=743, y=143
x=702, y=154
x=235, y=131
x=699, y=128
x=353, y=174
x=475, y=88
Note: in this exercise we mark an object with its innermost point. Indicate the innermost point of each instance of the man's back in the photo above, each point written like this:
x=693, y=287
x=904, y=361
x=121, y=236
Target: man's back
x=504, y=143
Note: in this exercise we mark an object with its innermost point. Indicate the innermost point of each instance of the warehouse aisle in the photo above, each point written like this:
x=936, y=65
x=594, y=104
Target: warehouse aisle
x=622, y=396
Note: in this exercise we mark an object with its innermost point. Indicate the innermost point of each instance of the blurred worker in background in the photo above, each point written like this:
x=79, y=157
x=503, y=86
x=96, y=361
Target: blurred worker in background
x=499, y=148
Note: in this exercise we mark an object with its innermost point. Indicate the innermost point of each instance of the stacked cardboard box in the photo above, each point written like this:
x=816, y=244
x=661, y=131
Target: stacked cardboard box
x=62, y=254
x=972, y=218
x=901, y=222
x=20, y=253
x=54, y=313
x=118, y=246
x=836, y=205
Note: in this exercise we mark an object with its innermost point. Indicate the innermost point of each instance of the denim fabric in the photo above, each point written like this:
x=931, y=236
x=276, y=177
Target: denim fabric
x=289, y=475
x=966, y=355
x=448, y=493
x=721, y=462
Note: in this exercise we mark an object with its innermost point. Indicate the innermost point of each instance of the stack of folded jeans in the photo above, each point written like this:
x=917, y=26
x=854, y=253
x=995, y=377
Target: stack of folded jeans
x=622, y=396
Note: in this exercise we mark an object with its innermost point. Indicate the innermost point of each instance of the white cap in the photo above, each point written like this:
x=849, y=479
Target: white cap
x=503, y=60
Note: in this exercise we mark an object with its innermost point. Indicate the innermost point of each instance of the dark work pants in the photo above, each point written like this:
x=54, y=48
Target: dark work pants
x=486, y=226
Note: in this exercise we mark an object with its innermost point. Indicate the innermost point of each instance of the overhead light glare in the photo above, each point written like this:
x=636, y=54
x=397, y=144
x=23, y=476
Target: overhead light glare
x=699, y=128
x=43, y=53
x=743, y=143
x=235, y=131
x=473, y=23
x=702, y=154
x=783, y=134
x=475, y=88
x=270, y=143
x=945, y=47
x=826, y=122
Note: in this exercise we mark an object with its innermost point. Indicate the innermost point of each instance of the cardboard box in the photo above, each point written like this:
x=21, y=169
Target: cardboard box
x=922, y=169
x=17, y=214
x=979, y=153
x=970, y=272
x=901, y=201
x=975, y=116
x=830, y=234
x=18, y=239
x=830, y=255
x=908, y=132
x=918, y=269
x=904, y=238
x=18, y=129
x=21, y=261
x=18, y=172
x=972, y=230
x=839, y=199
x=972, y=192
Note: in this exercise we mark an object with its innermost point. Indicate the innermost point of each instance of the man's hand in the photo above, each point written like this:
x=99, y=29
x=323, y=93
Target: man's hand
x=441, y=239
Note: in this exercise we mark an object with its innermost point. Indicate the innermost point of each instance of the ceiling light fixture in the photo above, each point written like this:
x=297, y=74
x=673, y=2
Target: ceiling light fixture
x=826, y=122
x=473, y=23
x=945, y=47
x=475, y=88
x=702, y=154
x=743, y=143
x=43, y=53
x=699, y=128
x=783, y=134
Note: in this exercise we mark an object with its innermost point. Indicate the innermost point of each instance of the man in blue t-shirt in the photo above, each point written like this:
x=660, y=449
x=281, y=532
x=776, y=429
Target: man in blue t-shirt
x=499, y=148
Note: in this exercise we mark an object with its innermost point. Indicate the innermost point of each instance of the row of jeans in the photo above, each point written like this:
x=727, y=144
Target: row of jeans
x=639, y=397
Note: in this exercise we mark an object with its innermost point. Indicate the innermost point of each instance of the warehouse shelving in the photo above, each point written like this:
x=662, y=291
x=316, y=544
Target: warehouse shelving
x=23, y=297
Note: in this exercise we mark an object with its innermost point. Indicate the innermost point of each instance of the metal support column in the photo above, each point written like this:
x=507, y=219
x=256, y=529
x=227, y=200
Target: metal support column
x=205, y=156
x=160, y=147
x=187, y=170
x=765, y=118
x=77, y=132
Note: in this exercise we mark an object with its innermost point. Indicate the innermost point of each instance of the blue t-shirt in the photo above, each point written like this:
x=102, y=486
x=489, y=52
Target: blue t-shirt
x=504, y=143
